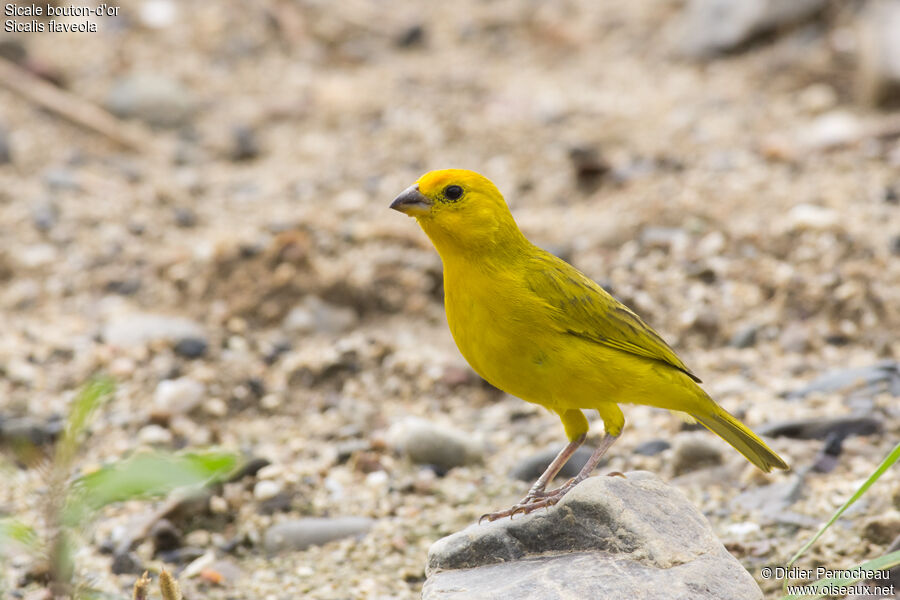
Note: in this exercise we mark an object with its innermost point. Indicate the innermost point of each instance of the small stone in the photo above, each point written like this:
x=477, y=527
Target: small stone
x=191, y=347
x=426, y=443
x=185, y=217
x=589, y=165
x=882, y=376
x=263, y=490
x=153, y=98
x=883, y=529
x=30, y=431
x=530, y=468
x=180, y=395
x=313, y=315
x=300, y=534
x=244, y=145
x=412, y=36
x=770, y=500
x=45, y=215
x=712, y=27
x=5, y=148
x=652, y=448
x=795, y=338
x=695, y=451
x=820, y=428
x=154, y=435
x=811, y=217
x=744, y=337
x=215, y=407
x=879, y=54
x=831, y=130
x=126, y=563
x=218, y=505
x=199, y=538
x=139, y=329
x=165, y=536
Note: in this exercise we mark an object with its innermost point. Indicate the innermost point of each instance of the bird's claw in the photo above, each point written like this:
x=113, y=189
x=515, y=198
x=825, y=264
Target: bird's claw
x=529, y=504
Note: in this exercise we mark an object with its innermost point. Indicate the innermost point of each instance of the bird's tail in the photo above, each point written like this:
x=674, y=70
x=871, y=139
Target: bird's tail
x=717, y=420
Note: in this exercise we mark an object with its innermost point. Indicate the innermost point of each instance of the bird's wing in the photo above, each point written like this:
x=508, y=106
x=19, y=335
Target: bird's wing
x=586, y=310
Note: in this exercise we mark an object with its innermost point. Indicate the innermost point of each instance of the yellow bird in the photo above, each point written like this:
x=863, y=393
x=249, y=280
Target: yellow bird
x=537, y=328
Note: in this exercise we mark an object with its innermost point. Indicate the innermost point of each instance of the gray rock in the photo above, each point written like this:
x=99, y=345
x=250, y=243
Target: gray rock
x=191, y=347
x=820, y=428
x=879, y=54
x=712, y=27
x=303, y=533
x=313, y=315
x=773, y=499
x=695, y=451
x=531, y=467
x=610, y=537
x=139, y=329
x=153, y=98
x=426, y=443
x=652, y=448
x=882, y=376
x=744, y=337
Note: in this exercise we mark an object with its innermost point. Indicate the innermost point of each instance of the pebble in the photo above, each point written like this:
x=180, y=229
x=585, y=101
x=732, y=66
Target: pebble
x=711, y=27
x=154, y=435
x=530, y=468
x=138, y=329
x=126, y=563
x=652, y=448
x=819, y=428
x=244, y=145
x=165, y=536
x=830, y=130
x=266, y=489
x=153, y=98
x=695, y=451
x=30, y=431
x=179, y=396
x=5, y=148
x=300, y=534
x=772, y=499
x=191, y=347
x=812, y=217
x=427, y=443
x=878, y=58
x=45, y=215
x=744, y=337
x=314, y=315
x=412, y=36
x=884, y=374
x=589, y=165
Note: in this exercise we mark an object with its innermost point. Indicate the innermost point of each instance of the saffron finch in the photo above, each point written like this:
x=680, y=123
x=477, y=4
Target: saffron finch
x=537, y=328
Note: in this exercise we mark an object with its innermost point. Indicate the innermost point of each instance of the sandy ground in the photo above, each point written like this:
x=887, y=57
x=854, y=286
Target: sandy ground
x=718, y=216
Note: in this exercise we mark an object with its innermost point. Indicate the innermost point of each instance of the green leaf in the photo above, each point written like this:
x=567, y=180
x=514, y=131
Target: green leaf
x=14, y=532
x=886, y=464
x=821, y=587
x=145, y=475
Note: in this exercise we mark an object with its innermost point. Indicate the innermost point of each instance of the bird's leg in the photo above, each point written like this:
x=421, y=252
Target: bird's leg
x=550, y=498
x=537, y=490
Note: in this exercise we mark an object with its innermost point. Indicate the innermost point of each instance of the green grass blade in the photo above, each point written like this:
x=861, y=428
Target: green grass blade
x=882, y=563
x=886, y=464
x=85, y=404
x=15, y=533
x=145, y=475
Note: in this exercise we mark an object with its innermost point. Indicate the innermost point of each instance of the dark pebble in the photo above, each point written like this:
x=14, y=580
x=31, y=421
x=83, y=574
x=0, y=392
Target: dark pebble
x=532, y=467
x=249, y=469
x=243, y=144
x=890, y=195
x=5, y=150
x=411, y=37
x=822, y=428
x=280, y=502
x=185, y=217
x=124, y=287
x=165, y=536
x=895, y=245
x=181, y=556
x=30, y=431
x=652, y=448
x=589, y=165
x=126, y=563
x=191, y=347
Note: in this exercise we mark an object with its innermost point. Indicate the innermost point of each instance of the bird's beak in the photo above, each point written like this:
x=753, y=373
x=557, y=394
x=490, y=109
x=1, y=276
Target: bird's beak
x=412, y=202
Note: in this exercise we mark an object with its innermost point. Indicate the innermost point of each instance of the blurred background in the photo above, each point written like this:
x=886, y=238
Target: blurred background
x=193, y=200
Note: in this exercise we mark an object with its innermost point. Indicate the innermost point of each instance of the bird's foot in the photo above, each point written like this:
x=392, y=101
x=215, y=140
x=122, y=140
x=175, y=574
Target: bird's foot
x=534, y=500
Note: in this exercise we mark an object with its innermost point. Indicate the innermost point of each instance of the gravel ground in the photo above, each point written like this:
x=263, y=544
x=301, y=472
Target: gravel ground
x=724, y=200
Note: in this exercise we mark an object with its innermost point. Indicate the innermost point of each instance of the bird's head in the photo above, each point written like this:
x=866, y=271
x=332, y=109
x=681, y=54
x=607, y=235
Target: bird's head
x=460, y=211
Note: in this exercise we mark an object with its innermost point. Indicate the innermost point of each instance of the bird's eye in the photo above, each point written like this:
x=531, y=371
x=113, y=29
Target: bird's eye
x=453, y=192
